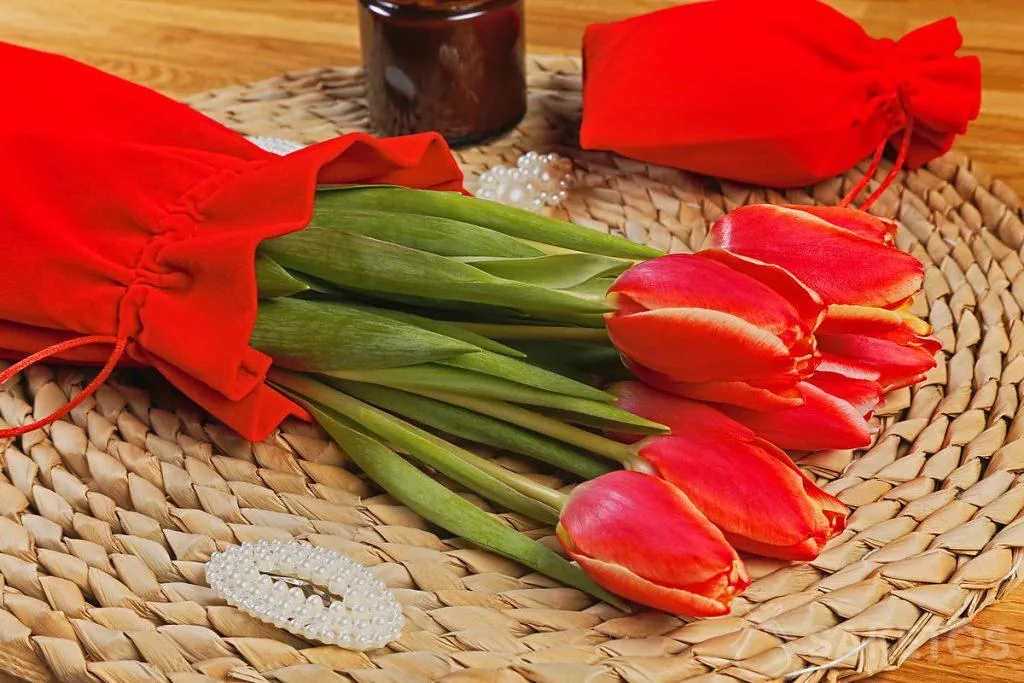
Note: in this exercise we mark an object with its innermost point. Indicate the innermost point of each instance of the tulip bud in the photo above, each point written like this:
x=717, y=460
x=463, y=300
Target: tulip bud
x=844, y=255
x=893, y=365
x=745, y=486
x=848, y=257
x=716, y=327
x=642, y=538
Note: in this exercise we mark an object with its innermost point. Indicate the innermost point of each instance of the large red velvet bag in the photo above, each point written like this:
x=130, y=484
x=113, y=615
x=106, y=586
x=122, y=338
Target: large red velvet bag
x=774, y=92
x=129, y=224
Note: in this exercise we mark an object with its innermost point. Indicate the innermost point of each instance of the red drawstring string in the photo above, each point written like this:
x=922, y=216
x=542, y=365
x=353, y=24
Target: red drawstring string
x=901, y=158
x=119, y=346
x=876, y=159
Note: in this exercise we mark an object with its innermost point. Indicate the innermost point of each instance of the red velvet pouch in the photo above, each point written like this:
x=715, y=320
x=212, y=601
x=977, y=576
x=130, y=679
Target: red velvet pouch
x=130, y=220
x=779, y=93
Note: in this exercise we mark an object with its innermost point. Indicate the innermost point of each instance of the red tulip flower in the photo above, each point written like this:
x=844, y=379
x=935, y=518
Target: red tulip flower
x=718, y=327
x=641, y=538
x=848, y=257
x=745, y=486
x=834, y=414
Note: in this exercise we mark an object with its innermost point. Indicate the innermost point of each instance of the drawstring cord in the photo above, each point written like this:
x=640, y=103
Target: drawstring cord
x=901, y=158
x=119, y=346
x=876, y=159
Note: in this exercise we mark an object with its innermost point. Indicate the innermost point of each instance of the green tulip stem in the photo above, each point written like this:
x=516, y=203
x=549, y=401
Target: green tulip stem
x=537, y=332
x=483, y=476
x=542, y=424
x=436, y=503
x=404, y=434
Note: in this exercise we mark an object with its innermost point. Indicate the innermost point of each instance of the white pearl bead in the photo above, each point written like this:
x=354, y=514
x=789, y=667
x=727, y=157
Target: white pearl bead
x=537, y=180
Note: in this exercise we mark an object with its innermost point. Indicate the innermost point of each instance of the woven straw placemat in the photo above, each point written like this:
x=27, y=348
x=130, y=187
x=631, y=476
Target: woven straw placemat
x=108, y=516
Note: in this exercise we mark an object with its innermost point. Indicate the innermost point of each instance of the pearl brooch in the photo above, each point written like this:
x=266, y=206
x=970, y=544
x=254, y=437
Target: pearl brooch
x=537, y=181
x=312, y=592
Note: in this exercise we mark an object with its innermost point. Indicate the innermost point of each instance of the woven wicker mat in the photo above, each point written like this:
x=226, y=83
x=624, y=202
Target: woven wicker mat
x=107, y=517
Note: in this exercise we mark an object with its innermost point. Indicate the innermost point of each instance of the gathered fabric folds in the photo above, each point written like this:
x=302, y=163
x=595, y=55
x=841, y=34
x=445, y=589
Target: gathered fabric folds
x=141, y=224
x=781, y=93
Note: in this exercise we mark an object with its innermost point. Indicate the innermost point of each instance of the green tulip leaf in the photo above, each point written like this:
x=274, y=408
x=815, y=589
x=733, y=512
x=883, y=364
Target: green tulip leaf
x=273, y=281
x=595, y=289
x=524, y=373
x=433, y=234
x=531, y=331
x=472, y=426
x=317, y=285
x=467, y=469
x=492, y=215
x=560, y=271
x=364, y=263
x=447, y=329
x=434, y=377
x=320, y=336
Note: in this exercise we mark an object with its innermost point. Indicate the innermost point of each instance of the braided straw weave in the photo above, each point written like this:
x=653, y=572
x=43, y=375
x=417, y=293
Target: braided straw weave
x=108, y=516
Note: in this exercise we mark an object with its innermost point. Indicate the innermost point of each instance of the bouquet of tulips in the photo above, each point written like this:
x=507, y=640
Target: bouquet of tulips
x=419, y=325
x=415, y=326
x=366, y=313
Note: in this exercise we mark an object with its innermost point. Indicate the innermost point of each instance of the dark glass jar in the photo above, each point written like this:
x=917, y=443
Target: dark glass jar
x=454, y=66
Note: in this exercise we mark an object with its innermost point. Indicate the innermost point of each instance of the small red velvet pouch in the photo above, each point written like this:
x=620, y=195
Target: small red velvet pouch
x=780, y=93
x=130, y=220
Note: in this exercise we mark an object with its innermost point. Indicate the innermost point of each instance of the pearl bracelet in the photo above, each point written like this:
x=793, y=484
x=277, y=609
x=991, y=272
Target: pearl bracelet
x=283, y=584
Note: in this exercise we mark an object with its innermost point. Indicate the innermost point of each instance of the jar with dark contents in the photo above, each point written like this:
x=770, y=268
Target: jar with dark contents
x=454, y=66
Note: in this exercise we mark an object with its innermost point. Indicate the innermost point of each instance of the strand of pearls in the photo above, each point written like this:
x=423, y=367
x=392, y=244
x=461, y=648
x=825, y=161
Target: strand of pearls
x=365, y=618
x=536, y=181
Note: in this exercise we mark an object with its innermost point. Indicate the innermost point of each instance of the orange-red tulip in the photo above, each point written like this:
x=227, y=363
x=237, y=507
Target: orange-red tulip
x=642, y=538
x=844, y=255
x=848, y=257
x=716, y=326
x=747, y=487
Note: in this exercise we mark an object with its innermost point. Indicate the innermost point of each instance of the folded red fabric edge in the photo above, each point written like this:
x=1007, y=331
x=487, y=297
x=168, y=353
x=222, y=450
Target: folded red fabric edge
x=143, y=220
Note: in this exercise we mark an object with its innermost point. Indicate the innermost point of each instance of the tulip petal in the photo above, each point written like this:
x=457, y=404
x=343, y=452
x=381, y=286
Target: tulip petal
x=822, y=422
x=685, y=281
x=679, y=414
x=834, y=510
x=739, y=394
x=700, y=345
x=744, y=489
x=805, y=301
x=745, y=394
x=841, y=266
x=900, y=326
x=889, y=363
x=831, y=507
x=874, y=228
x=647, y=525
x=804, y=551
x=687, y=601
x=744, y=485
x=864, y=395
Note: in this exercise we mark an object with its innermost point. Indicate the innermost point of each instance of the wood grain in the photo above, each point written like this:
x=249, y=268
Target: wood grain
x=184, y=46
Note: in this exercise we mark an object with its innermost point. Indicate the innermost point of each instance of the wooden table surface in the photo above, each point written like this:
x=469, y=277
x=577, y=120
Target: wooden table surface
x=185, y=46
